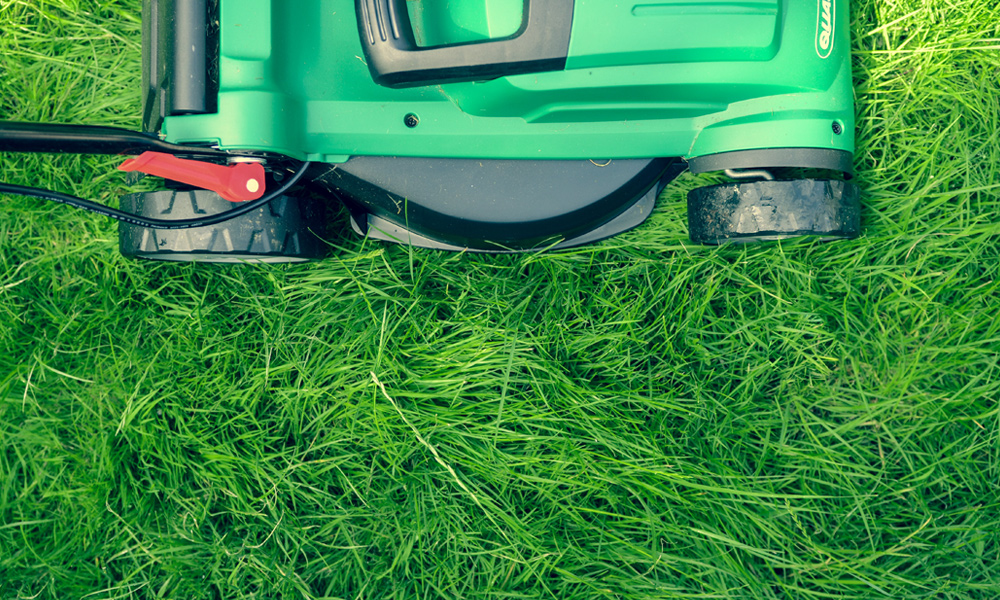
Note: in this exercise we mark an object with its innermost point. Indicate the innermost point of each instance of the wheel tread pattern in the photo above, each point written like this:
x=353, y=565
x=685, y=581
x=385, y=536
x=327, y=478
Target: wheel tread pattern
x=283, y=230
x=766, y=210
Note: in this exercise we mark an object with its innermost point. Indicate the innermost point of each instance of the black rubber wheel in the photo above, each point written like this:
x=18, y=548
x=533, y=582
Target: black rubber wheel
x=774, y=210
x=288, y=229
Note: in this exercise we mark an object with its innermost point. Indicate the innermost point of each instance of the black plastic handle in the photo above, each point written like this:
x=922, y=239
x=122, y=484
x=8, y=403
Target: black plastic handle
x=395, y=60
x=87, y=139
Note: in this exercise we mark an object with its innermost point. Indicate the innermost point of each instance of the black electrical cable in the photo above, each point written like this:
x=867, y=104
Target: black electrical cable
x=20, y=190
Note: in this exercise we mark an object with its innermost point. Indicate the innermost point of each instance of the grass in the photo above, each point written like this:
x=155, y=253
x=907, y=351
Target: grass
x=643, y=418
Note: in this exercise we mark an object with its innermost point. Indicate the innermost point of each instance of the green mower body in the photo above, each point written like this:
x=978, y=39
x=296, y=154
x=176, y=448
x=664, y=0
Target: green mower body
x=500, y=125
x=664, y=79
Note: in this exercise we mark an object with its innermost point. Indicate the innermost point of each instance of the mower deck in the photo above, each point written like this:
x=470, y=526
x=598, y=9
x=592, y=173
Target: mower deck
x=505, y=125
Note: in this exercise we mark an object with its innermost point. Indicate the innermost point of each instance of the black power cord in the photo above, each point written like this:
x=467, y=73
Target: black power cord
x=20, y=190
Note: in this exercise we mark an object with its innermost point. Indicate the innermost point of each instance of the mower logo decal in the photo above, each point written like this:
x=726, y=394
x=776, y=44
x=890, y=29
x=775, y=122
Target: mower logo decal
x=824, y=27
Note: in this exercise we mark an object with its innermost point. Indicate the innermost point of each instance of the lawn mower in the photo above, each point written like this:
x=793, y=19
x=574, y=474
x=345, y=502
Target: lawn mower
x=481, y=125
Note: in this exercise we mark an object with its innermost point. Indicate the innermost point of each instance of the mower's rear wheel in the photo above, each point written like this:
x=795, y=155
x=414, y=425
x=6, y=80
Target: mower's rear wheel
x=772, y=210
x=288, y=229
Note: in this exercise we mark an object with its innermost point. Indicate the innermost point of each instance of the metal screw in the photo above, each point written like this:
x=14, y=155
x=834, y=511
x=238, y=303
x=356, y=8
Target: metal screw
x=837, y=128
x=411, y=120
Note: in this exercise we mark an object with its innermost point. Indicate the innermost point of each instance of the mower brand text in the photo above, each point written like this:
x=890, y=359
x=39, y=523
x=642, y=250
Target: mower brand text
x=824, y=28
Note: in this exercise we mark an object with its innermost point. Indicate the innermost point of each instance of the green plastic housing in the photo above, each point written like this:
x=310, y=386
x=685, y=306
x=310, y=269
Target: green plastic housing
x=682, y=78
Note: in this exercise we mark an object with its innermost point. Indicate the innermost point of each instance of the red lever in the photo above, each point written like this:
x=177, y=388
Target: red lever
x=236, y=183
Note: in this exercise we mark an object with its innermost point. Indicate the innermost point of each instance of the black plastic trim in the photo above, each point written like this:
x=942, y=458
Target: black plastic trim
x=633, y=216
x=497, y=205
x=395, y=60
x=805, y=158
x=179, y=51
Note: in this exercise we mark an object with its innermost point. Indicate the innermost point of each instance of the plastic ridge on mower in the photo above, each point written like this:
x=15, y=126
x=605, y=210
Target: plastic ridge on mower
x=487, y=125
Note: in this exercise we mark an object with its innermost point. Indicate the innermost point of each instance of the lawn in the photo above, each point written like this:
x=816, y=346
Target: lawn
x=641, y=418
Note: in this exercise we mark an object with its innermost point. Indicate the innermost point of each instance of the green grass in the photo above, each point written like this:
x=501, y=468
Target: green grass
x=643, y=418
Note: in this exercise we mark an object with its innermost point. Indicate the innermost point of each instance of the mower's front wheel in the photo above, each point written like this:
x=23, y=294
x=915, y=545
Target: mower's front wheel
x=772, y=210
x=288, y=229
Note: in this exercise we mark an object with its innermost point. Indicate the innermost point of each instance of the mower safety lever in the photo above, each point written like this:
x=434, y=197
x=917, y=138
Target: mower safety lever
x=237, y=183
x=395, y=60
